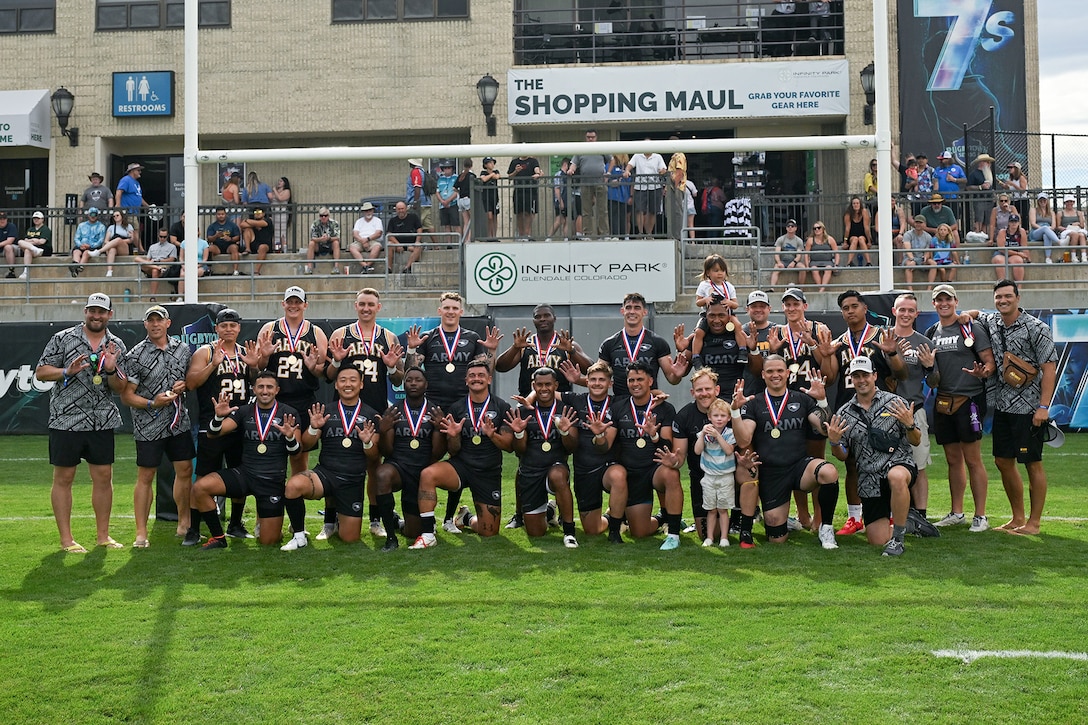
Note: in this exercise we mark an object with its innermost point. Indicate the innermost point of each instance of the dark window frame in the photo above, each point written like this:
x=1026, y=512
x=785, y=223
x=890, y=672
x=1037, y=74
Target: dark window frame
x=16, y=8
x=163, y=7
x=362, y=6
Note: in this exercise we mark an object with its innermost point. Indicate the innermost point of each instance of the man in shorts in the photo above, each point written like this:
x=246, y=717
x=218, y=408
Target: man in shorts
x=81, y=362
x=223, y=236
x=876, y=428
x=916, y=243
x=477, y=433
x=366, y=238
x=917, y=354
x=687, y=426
x=647, y=170
x=269, y=433
x=635, y=343
x=347, y=430
x=324, y=241
x=154, y=374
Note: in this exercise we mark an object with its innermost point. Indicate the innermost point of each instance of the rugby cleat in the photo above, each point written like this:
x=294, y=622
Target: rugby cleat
x=215, y=542
x=424, y=541
x=827, y=536
x=297, y=542
x=851, y=527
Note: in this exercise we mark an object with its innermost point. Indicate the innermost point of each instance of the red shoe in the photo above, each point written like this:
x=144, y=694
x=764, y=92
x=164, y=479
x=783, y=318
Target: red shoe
x=852, y=526
x=746, y=540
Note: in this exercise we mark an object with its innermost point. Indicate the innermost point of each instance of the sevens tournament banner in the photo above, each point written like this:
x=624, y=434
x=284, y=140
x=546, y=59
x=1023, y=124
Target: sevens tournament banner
x=956, y=59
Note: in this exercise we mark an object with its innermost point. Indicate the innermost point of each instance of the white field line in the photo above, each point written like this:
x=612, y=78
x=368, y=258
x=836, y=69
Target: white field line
x=970, y=655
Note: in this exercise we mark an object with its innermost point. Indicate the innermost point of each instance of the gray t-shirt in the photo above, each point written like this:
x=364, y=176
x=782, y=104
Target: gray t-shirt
x=918, y=242
x=911, y=389
x=951, y=355
x=786, y=245
x=591, y=168
x=162, y=251
x=98, y=196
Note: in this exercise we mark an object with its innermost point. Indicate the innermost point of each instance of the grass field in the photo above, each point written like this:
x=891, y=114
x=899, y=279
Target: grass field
x=508, y=630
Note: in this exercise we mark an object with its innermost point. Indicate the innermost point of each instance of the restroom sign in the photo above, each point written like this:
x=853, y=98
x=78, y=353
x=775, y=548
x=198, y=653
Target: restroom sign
x=143, y=93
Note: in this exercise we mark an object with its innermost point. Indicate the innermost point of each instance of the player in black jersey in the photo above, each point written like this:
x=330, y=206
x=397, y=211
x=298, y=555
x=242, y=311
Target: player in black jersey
x=269, y=434
x=444, y=354
x=544, y=348
x=544, y=438
x=647, y=461
x=635, y=342
x=725, y=351
x=294, y=350
x=221, y=367
x=377, y=353
x=476, y=435
x=757, y=329
x=411, y=439
x=687, y=426
x=346, y=428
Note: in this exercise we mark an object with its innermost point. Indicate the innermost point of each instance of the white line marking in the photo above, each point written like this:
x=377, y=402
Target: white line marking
x=970, y=655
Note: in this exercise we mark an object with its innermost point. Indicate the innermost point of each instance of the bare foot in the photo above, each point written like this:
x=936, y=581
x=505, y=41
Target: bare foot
x=1028, y=529
x=1011, y=525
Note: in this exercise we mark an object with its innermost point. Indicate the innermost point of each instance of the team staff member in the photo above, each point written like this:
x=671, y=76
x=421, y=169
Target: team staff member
x=411, y=439
x=1022, y=406
x=81, y=361
x=914, y=348
x=154, y=375
x=476, y=435
x=634, y=343
x=647, y=461
x=545, y=347
x=963, y=359
x=445, y=353
x=774, y=423
x=224, y=366
x=687, y=426
x=544, y=438
x=294, y=349
x=757, y=330
x=346, y=427
x=269, y=434
x=877, y=430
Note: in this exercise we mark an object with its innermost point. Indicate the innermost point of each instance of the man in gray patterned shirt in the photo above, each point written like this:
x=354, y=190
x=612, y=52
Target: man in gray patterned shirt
x=154, y=374
x=81, y=361
x=1022, y=404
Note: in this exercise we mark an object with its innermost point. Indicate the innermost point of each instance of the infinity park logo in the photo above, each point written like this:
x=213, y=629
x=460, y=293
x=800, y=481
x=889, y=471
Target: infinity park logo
x=495, y=273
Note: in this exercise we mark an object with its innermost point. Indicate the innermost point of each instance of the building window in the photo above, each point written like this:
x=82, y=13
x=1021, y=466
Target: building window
x=28, y=16
x=357, y=11
x=158, y=14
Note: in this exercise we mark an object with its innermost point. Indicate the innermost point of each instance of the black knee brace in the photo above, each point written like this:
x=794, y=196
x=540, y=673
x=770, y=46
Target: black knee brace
x=776, y=532
x=819, y=466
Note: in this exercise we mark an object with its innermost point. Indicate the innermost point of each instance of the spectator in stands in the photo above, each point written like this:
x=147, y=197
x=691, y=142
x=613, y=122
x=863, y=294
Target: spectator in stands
x=943, y=256
x=821, y=255
x=950, y=180
x=780, y=30
x=130, y=195
x=999, y=216
x=645, y=168
x=404, y=229
x=1012, y=249
x=281, y=216
x=1042, y=222
x=9, y=233
x=560, y=200
x=489, y=195
x=37, y=240
x=324, y=241
x=788, y=254
x=97, y=194
x=908, y=171
x=619, y=198
x=256, y=191
x=203, y=250
x=523, y=172
x=916, y=244
x=120, y=238
x=449, y=216
x=1071, y=228
x=232, y=190
x=257, y=235
x=925, y=183
x=366, y=238
x=1017, y=185
x=416, y=197
x=223, y=236
x=177, y=232
x=589, y=172
x=899, y=223
x=90, y=235
x=712, y=205
x=465, y=181
x=858, y=232
x=980, y=182
x=868, y=186
x=936, y=213
x=161, y=261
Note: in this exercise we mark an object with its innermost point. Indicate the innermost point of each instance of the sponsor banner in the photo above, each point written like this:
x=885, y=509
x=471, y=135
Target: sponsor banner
x=673, y=92
x=955, y=61
x=143, y=93
x=576, y=273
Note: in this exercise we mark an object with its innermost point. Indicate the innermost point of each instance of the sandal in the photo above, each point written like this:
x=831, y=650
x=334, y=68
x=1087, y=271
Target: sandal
x=141, y=544
x=111, y=543
x=74, y=548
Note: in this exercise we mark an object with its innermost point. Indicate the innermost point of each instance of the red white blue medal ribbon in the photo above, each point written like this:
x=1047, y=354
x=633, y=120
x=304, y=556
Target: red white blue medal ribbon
x=855, y=350
x=604, y=407
x=292, y=338
x=632, y=352
x=367, y=346
x=775, y=416
x=266, y=426
x=349, y=423
x=542, y=355
x=414, y=426
x=478, y=420
x=450, y=348
x=640, y=422
x=968, y=335
x=795, y=347
x=546, y=429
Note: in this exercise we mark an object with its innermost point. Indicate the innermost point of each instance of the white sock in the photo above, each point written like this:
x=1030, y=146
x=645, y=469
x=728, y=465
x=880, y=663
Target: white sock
x=854, y=511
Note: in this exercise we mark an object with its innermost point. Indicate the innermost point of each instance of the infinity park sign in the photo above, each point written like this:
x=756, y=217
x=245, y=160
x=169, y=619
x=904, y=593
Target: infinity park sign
x=569, y=272
x=720, y=90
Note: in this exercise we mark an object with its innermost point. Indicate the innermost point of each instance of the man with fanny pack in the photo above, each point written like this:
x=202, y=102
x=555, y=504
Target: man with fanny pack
x=1023, y=348
x=962, y=361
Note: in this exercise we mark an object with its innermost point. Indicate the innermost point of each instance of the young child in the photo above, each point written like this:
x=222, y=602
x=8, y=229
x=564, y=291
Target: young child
x=715, y=450
x=715, y=286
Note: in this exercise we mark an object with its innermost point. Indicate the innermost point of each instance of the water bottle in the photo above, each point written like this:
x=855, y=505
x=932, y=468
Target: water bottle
x=966, y=257
x=128, y=295
x=976, y=422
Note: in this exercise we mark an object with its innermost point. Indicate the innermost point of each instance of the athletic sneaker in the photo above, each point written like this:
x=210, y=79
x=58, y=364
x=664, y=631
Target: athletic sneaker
x=746, y=540
x=94, y=252
x=297, y=542
x=238, y=531
x=215, y=542
x=327, y=532
x=979, y=523
x=708, y=542
x=724, y=543
x=894, y=547
x=615, y=537
x=852, y=526
x=672, y=541
x=192, y=538
x=734, y=529
x=792, y=524
x=463, y=517
x=37, y=251
x=514, y=522
x=827, y=536
x=919, y=525
x=450, y=527
x=689, y=529
x=952, y=519
x=424, y=541
x=25, y=274
x=569, y=541
x=376, y=528
x=391, y=544
x=552, y=514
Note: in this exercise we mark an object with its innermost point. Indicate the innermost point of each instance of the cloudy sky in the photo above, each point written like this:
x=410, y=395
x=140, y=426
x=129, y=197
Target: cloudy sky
x=1063, y=66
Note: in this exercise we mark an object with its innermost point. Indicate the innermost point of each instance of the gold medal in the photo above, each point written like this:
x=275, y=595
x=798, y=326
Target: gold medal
x=775, y=433
x=450, y=367
x=545, y=446
x=97, y=380
x=969, y=342
x=477, y=440
x=729, y=327
x=641, y=443
x=346, y=443
x=414, y=444
x=262, y=448
x=794, y=368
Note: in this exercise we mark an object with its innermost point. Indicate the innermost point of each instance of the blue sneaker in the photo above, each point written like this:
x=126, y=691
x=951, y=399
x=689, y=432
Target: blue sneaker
x=672, y=541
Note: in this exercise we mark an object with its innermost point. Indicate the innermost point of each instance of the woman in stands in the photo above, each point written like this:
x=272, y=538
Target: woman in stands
x=1042, y=222
x=120, y=239
x=858, y=232
x=281, y=217
x=1071, y=228
x=1012, y=250
x=821, y=254
x=942, y=256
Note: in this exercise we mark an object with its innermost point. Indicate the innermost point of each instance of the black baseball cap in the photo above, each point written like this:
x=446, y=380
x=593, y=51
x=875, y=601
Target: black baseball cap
x=227, y=314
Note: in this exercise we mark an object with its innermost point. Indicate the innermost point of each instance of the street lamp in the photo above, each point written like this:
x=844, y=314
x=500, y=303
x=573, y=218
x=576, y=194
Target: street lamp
x=868, y=84
x=62, y=101
x=487, y=88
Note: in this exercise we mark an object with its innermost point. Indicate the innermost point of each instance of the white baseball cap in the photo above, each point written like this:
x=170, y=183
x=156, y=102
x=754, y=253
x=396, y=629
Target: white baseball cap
x=294, y=291
x=99, y=300
x=758, y=296
x=860, y=364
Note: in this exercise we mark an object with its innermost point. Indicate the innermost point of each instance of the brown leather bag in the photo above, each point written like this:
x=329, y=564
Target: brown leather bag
x=947, y=403
x=1016, y=371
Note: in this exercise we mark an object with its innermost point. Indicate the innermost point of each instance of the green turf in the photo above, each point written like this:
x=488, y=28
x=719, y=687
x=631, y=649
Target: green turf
x=512, y=630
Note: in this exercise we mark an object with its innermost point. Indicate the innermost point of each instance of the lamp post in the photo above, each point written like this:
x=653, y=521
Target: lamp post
x=487, y=88
x=868, y=84
x=62, y=101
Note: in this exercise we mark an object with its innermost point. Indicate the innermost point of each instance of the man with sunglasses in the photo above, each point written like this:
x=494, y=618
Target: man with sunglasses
x=324, y=241
x=937, y=213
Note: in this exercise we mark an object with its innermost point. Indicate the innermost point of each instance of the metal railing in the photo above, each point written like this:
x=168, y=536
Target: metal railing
x=643, y=31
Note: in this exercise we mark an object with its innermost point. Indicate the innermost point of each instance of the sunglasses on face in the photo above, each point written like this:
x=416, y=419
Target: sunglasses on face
x=324, y=216
x=817, y=228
